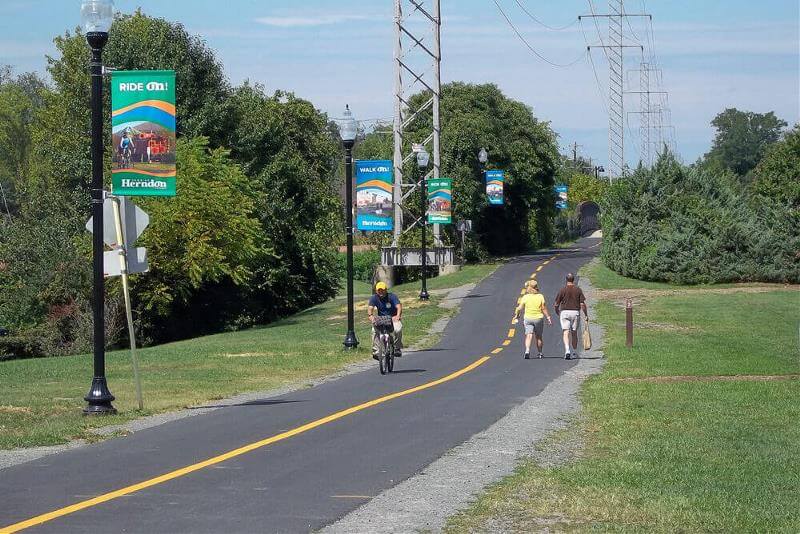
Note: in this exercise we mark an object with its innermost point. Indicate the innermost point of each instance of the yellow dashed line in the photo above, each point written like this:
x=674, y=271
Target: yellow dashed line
x=498, y=350
x=507, y=342
x=49, y=516
x=511, y=332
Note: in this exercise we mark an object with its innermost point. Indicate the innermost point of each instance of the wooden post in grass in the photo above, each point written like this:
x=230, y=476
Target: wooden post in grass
x=628, y=323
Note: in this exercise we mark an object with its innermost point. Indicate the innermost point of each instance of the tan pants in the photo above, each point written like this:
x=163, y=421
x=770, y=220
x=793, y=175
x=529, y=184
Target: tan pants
x=398, y=337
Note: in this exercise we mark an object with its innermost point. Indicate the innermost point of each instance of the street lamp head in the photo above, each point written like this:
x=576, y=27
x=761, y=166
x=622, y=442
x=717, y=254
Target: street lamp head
x=348, y=128
x=483, y=156
x=422, y=158
x=96, y=15
x=600, y=169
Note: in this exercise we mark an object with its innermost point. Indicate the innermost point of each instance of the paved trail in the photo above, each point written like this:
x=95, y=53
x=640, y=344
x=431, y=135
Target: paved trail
x=300, y=461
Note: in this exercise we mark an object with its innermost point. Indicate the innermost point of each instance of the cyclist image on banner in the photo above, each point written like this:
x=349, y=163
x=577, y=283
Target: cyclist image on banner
x=126, y=151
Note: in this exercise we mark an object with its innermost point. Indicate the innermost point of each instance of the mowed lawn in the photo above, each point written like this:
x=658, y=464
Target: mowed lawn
x=694, y=429
x=41, y=400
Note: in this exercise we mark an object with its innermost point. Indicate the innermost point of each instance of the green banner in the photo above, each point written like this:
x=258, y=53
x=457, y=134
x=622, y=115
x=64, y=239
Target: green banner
x=440, y=201
x=143, y=132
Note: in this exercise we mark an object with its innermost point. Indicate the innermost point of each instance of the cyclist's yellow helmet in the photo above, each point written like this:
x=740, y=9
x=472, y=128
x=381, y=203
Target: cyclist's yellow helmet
x=380, y=285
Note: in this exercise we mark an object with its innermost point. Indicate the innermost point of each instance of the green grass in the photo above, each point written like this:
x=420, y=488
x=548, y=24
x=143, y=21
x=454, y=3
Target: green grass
x=41, y=399
x=702, y=455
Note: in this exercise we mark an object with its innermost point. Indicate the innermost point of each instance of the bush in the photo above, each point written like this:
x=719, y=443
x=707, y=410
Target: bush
x=364, y=264
x=681, y=225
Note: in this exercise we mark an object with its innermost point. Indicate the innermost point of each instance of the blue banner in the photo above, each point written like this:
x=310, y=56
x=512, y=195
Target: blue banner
x=494, y=186
x=374, y=206
x=561, y=197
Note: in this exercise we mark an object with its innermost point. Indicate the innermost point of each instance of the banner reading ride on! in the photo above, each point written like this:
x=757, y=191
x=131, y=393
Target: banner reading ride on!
x=143, y=132
x=374, y=206
x=494, y=186
x=440, y=200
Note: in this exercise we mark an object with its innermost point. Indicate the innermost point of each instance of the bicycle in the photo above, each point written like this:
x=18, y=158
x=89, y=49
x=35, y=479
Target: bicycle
x=125, y=160
x=384, y=328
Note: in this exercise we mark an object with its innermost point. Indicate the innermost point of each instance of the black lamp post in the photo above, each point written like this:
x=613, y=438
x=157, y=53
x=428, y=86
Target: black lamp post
x=483, y=157
x=348, y=133
x=422, y=162
x=96, y=17
x=597, y=170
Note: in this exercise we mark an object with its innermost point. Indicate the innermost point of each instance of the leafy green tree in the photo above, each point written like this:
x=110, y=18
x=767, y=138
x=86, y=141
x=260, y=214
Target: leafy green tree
x=777, y=176
x=20, y=98
x=742, y=139
x=583, y=187
x=286, y=145
x=474, y=117
x=206, y=237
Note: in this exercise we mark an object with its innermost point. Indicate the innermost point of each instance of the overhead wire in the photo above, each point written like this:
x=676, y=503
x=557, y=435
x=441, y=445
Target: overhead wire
x=603, y=95
x=532, y=16
x=528, y=45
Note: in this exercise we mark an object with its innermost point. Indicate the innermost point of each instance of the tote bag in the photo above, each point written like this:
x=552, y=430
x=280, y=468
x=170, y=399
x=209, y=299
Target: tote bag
x=587, y=337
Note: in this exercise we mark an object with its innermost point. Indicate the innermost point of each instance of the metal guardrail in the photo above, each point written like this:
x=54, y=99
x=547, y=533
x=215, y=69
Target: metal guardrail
x=412, y=257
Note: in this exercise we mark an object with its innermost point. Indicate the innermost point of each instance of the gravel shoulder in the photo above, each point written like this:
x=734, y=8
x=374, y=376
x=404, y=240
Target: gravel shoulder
x=425, y=501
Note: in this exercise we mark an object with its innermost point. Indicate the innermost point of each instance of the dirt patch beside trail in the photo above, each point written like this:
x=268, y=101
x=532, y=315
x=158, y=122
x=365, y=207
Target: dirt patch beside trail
x=718, y=378
x=619, y=296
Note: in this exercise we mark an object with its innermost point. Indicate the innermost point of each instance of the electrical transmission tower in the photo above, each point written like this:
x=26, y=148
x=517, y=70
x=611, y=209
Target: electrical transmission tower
x=417, y=58
x=614, y=53
x=650, y=113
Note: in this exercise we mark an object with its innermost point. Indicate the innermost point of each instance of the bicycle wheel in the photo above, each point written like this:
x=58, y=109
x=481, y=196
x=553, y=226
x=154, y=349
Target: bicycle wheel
x=390, y=357
x=382, y=359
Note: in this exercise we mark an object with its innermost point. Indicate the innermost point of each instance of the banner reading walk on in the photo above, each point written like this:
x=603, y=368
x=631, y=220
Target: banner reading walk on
x=143, y=132
x=440, y=200
x=374, y=206
x=494, y=186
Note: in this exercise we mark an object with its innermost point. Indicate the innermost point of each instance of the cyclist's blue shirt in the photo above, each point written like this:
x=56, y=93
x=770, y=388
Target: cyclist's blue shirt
x=387, y=306
x=125, y=143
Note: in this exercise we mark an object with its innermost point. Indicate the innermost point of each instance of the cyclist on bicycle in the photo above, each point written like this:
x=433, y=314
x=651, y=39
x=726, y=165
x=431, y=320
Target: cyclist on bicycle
x=383, y=303
x=125, y=144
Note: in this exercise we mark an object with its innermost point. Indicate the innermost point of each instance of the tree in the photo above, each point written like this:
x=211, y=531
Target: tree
x=20, y=98
x=777, y=176
x=476, y=116
x=205, y=238
x=742, y=139
x=286, y=145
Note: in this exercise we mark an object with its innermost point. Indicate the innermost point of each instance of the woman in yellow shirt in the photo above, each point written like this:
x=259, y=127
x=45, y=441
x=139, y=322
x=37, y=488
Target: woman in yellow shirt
x=535, y=309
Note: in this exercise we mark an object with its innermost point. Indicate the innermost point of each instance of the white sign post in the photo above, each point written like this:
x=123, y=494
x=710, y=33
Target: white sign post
x=123, y=223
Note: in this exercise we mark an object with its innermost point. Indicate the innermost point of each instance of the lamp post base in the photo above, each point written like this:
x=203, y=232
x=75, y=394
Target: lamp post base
x=350, y=340
x=99, y=398
x=423, y=295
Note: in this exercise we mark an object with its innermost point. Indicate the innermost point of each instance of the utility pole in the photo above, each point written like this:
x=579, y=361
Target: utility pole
x=616, y=113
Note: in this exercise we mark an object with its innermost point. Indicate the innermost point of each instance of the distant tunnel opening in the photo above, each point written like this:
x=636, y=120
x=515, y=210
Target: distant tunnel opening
x=589, y=216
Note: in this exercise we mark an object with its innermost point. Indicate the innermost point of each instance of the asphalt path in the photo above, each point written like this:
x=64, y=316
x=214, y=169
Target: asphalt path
x=307, y=475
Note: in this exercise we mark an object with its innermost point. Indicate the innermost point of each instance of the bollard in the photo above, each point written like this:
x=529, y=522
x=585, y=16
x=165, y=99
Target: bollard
x=628, y=323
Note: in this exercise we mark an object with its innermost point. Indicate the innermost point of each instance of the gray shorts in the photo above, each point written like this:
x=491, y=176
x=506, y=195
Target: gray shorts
x=534, y=325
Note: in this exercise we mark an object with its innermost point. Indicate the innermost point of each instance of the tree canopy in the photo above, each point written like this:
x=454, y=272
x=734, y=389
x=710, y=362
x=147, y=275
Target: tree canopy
x=742, y=139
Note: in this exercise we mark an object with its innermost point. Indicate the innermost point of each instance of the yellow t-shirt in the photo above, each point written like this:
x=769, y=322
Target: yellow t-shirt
x=533, y=303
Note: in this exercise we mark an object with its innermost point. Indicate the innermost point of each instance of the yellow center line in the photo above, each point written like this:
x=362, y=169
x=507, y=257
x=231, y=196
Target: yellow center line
x=88, y=503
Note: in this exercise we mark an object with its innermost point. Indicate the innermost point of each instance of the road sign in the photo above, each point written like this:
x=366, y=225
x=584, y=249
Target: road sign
x=464, y=226
x=137, y=261
x=134, y=221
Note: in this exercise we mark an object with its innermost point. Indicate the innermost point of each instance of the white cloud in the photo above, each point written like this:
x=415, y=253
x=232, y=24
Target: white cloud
x=296, y=22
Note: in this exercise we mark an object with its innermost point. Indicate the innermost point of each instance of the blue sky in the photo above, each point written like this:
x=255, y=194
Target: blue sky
x=712, y=54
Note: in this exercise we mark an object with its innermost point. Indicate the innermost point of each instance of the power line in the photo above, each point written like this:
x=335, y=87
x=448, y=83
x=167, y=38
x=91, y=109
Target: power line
x=527, y=44
x=531, y=15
